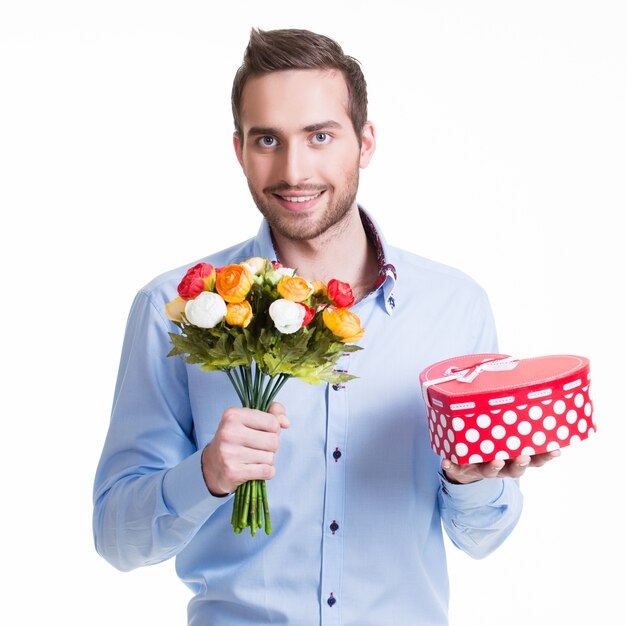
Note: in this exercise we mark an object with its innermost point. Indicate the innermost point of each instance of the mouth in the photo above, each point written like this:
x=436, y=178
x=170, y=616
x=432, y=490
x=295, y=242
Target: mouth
x=298, y=201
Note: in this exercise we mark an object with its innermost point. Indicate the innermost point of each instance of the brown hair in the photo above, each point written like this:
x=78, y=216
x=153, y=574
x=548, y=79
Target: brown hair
x=293, y=49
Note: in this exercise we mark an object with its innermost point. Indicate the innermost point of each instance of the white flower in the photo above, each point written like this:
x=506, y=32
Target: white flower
x=206, y=310
x=286, y=315
x=285, y=271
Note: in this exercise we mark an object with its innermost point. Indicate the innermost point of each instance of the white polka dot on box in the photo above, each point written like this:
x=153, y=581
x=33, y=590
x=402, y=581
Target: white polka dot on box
x=482, y=407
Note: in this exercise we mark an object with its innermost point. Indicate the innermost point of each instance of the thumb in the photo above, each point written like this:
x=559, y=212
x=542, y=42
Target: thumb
x=278, y=410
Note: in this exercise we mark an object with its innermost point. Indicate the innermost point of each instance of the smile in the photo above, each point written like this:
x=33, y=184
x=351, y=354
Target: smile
x=299, y=199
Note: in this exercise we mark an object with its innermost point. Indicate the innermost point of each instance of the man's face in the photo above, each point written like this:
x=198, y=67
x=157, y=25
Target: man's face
x=299, y=151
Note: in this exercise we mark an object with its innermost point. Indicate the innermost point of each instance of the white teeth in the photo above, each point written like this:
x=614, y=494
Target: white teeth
x=300, y=198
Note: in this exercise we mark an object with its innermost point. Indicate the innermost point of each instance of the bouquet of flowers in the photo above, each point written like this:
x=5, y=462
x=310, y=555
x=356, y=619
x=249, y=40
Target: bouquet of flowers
x=262, y=324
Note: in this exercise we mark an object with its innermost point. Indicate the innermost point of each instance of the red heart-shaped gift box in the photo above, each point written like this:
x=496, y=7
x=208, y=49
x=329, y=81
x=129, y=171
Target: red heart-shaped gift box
x=482, y=407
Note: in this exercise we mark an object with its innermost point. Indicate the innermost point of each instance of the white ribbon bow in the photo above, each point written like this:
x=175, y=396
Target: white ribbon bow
x=468, y=374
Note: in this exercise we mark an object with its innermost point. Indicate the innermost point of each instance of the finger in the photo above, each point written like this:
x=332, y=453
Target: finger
x=250, y=418
x=515, y=468
x=493, y=468
x=253, y=456
x=255, y=471
x=539, y=460
x=254, y=433
x=462, y=474
x=490, y=469
x=260, y=440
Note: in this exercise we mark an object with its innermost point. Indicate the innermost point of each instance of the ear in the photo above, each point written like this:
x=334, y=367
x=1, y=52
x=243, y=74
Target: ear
x=238, y=148
x=368, y=144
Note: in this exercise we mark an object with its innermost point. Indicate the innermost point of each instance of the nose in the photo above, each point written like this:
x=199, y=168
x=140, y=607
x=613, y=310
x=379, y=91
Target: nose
x=294, y=164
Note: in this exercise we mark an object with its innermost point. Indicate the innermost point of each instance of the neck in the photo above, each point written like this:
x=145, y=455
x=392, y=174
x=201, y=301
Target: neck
x=343, y=252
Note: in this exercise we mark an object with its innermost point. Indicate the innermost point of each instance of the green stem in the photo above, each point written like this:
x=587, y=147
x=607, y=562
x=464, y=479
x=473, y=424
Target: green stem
x=244, y=384
x=283, y=378
x=245, y=377
x=259, y=377
x=259, y=521
x=237, y=508
x=232, y=374
x=266, y=509
x=264, y=404
x=233, y=518
x=253, y=505
x=243, y=520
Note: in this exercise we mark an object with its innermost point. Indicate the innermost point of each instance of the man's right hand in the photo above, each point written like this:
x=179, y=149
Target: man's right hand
x=244, y=448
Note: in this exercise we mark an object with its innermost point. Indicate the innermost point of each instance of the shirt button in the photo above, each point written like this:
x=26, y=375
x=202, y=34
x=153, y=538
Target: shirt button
x=334, y=527
x=337, y=454
x=331, y=600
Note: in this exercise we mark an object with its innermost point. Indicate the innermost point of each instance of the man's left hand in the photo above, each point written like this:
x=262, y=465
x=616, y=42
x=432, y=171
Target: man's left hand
x=511, y=468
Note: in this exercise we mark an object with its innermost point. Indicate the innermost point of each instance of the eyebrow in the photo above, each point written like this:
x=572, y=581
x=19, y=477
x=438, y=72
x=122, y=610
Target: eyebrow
x=327, y=124
x=257, y=131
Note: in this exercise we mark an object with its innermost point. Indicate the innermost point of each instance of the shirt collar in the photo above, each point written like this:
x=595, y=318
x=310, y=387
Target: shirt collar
x=387, y=274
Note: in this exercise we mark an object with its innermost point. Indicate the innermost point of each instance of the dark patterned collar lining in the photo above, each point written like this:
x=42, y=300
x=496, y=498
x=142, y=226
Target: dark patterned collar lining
x=384, y=268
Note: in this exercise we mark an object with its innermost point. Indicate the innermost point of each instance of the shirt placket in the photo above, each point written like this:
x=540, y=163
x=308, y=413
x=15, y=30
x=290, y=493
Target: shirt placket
x=334, y=502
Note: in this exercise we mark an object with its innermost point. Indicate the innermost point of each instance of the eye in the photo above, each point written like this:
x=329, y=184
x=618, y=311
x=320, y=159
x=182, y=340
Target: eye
x=320, y=138
x=267, y=141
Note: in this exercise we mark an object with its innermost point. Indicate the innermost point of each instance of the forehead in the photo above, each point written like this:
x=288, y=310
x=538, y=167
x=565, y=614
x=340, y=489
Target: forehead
x=294, y=98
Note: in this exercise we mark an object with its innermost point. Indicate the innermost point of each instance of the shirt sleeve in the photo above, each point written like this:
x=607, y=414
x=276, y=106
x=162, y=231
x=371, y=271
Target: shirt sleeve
x=150, y=498
x=479, y=516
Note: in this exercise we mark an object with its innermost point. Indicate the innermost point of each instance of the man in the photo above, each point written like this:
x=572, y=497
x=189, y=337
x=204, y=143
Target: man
x=358, y=497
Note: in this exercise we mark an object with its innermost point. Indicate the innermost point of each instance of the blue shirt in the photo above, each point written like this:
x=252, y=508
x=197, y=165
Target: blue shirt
x=358, y=501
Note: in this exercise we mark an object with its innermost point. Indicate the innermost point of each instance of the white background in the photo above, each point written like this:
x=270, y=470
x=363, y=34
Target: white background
x=501, y=150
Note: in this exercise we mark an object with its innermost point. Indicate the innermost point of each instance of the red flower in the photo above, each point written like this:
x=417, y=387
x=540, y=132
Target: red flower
x=340, y=293
x=309, y=313
x=198, y=278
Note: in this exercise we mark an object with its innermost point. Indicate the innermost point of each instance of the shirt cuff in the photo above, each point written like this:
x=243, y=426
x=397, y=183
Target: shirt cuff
x=185, y=493
x=481, y=492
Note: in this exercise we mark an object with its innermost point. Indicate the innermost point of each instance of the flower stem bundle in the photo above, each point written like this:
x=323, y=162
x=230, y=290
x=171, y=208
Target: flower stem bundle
x=256, y=390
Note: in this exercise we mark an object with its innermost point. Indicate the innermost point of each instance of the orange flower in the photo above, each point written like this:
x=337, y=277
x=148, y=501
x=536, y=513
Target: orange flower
x=233, y=283
x=343, y=323
x=294, y=288
x=239, y=313
x=175, y=308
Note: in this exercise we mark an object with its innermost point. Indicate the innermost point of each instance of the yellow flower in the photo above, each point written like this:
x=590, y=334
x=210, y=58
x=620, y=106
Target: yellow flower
x=255, y=264
x=209, y=281
x=175, y=308
x=233, y=282
x=343, y=323
x=294, y=288
x=239, y=313
x=319, y=288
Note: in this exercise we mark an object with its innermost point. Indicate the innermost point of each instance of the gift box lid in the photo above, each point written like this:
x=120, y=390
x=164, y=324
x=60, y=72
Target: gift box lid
x=488, y=381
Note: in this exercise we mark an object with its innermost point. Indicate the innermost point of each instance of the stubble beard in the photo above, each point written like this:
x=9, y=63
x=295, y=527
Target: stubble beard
x=299, y=227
